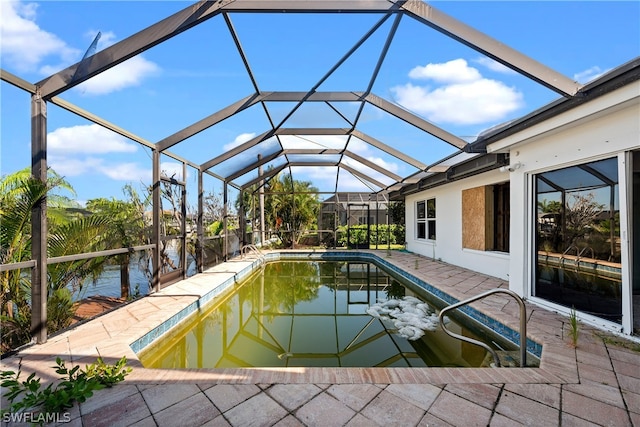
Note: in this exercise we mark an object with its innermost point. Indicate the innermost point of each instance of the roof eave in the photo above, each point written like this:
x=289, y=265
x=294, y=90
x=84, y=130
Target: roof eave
x=607, y=83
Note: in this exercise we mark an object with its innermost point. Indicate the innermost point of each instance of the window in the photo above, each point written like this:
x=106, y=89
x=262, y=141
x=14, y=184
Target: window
x=426, y=219
x=431, y=218
x=421, y=215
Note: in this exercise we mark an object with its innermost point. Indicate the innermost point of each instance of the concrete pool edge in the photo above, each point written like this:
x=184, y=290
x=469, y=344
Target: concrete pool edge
x=110, y=336
x=485, y=320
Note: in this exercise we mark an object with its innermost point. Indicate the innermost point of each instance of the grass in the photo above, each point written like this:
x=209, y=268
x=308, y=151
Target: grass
x=574, y=330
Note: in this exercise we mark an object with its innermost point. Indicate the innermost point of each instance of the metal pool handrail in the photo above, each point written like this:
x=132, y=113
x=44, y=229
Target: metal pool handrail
x=251, y=248
x=523, y=324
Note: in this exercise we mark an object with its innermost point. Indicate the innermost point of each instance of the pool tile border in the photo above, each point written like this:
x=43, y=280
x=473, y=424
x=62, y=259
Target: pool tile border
x=141, y=343
x=495, y=325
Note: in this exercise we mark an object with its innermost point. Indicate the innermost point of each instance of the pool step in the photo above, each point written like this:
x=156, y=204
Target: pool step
x=508, y=359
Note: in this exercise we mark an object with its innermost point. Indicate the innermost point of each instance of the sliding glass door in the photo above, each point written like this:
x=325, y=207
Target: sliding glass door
x=577, y=238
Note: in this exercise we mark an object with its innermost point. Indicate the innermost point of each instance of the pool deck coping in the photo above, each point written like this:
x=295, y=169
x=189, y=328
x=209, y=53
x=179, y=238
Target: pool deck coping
x=110, y=336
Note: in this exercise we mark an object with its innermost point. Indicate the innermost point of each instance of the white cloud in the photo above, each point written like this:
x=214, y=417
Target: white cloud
x=589, y=74
x=49, y=69
x=84, y=139
x=313, y=141
x=456, y=71
x=324, y=178
x=74, y=151
x=77, y=166
x=23, y=43
x=83, y=165
x=370, y=172
x=494, y=65
x=240, y=139
x=126, y=74
x=358, y=146
x=107, y=38
x=129, y=172
x=73, y=166
x=349, y=182
x=466, y=98
x=391, y=167
x=172, y=170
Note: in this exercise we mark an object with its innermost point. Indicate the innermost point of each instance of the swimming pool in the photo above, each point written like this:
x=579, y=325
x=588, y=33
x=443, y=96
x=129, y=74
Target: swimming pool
x=321, y=321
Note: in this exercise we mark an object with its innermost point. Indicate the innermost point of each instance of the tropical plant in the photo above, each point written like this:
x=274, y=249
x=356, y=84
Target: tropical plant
x=127, y=229
x=75, y=385
x=77, y=236
x=549, y=206
x=397, y=219
x=382, y=234
x=69, y=232
x=19, y=194
x=215, y=228
x=291, y=208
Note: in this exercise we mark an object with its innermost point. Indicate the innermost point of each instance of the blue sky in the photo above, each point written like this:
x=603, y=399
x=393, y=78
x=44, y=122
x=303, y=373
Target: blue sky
x=199, y=72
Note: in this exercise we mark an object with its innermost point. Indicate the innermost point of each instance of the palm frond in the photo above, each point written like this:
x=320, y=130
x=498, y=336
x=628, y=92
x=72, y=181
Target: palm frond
x=15, y=223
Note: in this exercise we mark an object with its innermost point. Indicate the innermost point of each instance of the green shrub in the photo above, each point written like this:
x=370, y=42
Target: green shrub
x=75, y=385
x=392, y=234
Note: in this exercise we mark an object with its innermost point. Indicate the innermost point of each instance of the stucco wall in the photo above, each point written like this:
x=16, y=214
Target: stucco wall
x=448, y=243
x=600, y=129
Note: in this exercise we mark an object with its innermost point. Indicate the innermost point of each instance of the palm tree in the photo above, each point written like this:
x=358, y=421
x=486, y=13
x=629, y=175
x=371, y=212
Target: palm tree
x=307, y=207
x=18, y=195
x=127, y=228
x=77, y=236
x=69, y=233
x=291, y=208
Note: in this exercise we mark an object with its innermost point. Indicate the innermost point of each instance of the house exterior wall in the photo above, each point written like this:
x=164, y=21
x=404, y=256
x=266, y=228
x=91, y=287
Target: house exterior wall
x=448, y=245
x=607, y=127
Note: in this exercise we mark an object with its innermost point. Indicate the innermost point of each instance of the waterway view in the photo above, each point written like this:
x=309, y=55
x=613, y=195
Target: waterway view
x=108, y=283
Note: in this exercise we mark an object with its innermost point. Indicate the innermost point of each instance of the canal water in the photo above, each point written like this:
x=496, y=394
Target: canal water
x=108, y=283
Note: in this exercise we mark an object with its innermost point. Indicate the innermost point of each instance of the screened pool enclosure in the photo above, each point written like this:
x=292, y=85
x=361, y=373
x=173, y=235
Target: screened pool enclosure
x=316, y=126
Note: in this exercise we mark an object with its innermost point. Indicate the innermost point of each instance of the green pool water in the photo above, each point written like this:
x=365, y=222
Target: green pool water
x=308, y=314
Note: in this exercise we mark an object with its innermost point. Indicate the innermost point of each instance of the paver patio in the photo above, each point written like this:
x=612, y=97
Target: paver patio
x=597, y=383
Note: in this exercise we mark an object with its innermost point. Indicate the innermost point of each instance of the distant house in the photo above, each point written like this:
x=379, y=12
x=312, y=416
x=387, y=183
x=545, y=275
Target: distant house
x=349, y=209
x=352, y=209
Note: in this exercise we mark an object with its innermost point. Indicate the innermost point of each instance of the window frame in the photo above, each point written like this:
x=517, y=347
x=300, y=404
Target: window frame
x=537, y=289
x=426, y=219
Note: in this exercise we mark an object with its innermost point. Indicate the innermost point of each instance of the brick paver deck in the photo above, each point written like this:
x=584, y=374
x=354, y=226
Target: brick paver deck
x=597, y=383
